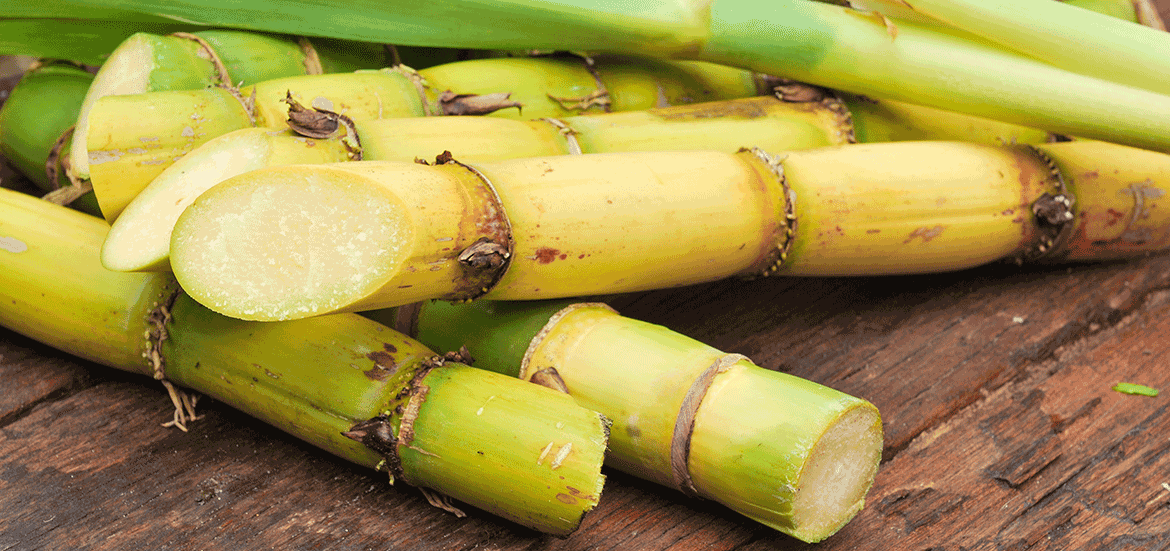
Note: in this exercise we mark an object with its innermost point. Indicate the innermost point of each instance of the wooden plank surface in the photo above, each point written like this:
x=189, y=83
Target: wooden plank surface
x=1001, y=430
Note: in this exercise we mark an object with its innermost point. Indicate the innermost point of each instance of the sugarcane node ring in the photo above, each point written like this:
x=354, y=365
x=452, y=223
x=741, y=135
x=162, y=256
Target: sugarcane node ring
x=597, y=98
x=774, y=261
x=225, y=79
x=684, y=424
x=1053, y=211
x=487, y=259
x=377, y=434
x=321, y=124
x=53, y=161
x=793, y=91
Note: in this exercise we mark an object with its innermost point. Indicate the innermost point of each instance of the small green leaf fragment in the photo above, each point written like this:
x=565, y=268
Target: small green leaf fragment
x=1131, y=388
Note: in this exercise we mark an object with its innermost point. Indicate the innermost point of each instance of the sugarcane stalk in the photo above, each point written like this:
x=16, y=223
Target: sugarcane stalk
x=36, y=123
x=789, y=453
x=567, y=85
x=126, y=157
x=147, y=62
x=1063, y=35
x=814, y=42
x=295, y=241
x=140, y=237
x=349, y=385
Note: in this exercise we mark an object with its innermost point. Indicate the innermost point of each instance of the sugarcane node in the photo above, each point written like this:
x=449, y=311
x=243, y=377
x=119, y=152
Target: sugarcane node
x=793, y=91
x=550, y=378
x=462, y=356
x=1053, y=210
x=684, y=424
x=487, y=259
x=569, y=134
x=377, y=434
x=773, y=262
x=221, y=71
x=312, y=123
x=476, y=104
x=53, y=161
x=484, y=254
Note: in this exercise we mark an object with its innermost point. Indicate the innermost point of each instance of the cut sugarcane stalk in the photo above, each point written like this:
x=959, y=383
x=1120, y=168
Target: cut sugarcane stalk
x=344, y=383
x=801, y=462
x=1065, y=36
x=42, y=106
x=36, y=124
x=130, y=158
x=140, y=237
x=148, y=63
x=809, y=41
x=171, y=124
x=303, y=240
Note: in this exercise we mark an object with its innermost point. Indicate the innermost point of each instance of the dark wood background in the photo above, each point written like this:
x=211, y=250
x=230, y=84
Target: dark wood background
x=1001, y=430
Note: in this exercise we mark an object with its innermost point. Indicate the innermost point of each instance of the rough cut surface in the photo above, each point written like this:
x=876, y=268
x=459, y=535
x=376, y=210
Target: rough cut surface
x=1002, y=431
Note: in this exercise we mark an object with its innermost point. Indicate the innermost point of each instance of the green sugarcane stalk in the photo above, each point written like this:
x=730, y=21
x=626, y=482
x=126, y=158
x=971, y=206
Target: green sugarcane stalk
x=147, y=62
x=786, y=452
x=809, y=41
x=36, y=124
x=126, y=157
x=348, y=385
x=302, y=240
x=1063, y=35
x=140, y=237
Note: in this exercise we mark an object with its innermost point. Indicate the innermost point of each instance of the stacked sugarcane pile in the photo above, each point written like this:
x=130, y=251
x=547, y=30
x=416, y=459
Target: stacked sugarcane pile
x=255, y=202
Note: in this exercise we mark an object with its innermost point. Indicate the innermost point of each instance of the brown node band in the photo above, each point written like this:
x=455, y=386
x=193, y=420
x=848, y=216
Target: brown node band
x=1054, y=211
x=322, y=124
x=527, y=370
x=684, y=424
x=222, y=75
x=487, y=259
x=63, y=195
x=787, y=237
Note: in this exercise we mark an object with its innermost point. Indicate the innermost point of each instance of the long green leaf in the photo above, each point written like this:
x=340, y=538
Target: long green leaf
x=1066, y=36
x=85, y=41
x=811, y=41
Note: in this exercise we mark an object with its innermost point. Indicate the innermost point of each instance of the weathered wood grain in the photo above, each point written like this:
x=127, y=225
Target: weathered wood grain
x=994, y=384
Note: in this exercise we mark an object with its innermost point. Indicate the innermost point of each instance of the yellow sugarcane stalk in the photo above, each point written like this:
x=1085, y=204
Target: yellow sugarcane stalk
x=806, y=118
x=297, y=241
x=133, y=138
x=346, y=384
